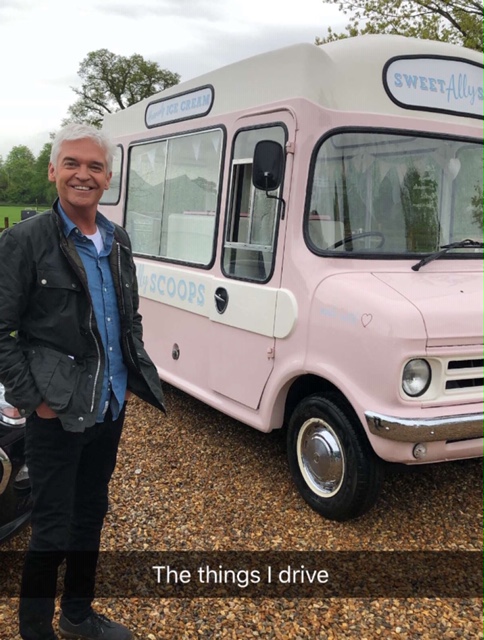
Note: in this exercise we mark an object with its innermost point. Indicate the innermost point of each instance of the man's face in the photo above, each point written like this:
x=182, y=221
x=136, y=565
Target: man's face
x=80, y=175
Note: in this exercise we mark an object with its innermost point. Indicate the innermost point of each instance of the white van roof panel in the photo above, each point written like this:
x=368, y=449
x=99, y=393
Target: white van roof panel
x=345, y=75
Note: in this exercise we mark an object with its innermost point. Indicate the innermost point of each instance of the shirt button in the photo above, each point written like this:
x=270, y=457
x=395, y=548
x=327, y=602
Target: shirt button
x=110, y=348
x=73, y=285
x=43, y=281
x=81, y=419
x=109, y=319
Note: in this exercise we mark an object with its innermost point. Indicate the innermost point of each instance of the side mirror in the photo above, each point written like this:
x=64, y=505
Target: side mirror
x=268, y=167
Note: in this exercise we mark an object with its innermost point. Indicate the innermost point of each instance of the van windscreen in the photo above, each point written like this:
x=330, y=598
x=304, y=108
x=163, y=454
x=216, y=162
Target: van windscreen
x=395, y=194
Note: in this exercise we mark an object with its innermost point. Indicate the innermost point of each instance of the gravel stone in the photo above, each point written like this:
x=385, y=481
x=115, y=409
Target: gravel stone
x=196, y=480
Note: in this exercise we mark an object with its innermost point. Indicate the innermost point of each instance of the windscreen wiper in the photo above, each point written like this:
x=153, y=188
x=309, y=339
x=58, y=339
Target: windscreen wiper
x=463, y=244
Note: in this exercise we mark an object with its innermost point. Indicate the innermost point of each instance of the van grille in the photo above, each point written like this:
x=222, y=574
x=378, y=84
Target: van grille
x=465, y=376
x=466, y=364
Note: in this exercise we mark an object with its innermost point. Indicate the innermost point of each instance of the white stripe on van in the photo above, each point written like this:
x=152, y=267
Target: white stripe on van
x=253, y=307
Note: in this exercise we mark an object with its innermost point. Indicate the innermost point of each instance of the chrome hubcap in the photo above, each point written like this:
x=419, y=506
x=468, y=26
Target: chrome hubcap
x=320, y=456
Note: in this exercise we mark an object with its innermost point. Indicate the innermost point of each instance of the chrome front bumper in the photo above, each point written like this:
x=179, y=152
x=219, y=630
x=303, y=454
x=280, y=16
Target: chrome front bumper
x=415, y=430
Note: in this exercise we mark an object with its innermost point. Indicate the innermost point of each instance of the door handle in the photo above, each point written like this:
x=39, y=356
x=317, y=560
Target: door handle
x=221, y=299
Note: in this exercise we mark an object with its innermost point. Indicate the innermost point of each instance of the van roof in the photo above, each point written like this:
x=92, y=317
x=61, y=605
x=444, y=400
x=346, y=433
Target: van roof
x=345, y=75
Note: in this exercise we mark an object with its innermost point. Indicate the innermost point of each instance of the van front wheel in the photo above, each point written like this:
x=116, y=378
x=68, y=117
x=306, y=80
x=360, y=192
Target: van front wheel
x=331, y=460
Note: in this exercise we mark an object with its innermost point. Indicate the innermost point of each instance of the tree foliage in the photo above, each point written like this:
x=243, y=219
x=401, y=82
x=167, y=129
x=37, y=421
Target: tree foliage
x=456, y=21
x=44, y=190
x=421, y=210
x=3, y=178
x=18, y=172
x=112, y=82
x=23, y=177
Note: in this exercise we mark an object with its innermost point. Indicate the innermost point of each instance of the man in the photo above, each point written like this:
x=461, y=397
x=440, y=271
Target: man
x=71, y=351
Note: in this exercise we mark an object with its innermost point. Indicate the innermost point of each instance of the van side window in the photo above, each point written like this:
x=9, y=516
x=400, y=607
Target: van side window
x=252, y=217
x=111, y=195
x=173, y=188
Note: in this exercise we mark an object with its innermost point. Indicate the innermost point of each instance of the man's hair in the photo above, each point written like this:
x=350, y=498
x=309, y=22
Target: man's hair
x=75, y=131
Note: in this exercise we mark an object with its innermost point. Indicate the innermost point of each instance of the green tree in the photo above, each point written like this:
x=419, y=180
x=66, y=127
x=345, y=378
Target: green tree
x=112, y=82
x=44, y=190
x=19, y=170
x=477, y=203
x=456, y=21
x=3, y=180
x=420, y=207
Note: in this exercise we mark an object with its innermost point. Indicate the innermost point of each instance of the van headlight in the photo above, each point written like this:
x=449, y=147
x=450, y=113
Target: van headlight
x=416, y=377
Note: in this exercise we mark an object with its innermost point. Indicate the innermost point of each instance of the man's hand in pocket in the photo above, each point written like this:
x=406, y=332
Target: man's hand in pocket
x=43, y=411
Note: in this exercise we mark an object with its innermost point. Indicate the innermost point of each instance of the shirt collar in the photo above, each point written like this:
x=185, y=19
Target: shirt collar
x=105, y=226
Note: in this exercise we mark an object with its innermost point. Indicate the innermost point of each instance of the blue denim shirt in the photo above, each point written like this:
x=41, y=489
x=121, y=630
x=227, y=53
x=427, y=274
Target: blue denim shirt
x=101, y=287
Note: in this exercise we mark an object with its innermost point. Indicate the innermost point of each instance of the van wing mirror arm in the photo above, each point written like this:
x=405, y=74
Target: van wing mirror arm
x=282, y=201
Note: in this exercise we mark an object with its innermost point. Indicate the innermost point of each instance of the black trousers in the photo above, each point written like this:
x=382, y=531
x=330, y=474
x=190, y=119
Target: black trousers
x=69, y=474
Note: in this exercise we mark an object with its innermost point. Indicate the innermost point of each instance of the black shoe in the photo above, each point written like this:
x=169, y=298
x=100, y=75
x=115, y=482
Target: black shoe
x=94, y=627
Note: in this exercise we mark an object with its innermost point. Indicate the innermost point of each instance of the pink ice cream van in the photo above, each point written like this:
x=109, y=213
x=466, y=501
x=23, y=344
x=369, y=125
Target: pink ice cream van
x=308, y=226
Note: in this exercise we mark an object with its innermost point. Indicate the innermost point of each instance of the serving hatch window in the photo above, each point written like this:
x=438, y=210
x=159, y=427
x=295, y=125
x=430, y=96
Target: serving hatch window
x=173, y=188
x=387, y=193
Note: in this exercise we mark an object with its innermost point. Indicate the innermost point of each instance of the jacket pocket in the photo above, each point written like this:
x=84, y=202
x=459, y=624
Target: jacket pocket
x=56, y=376
x=57, y=294
x=57, y=279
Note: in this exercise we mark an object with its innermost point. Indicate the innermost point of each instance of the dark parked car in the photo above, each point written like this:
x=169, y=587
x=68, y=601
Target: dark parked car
x=15, y=504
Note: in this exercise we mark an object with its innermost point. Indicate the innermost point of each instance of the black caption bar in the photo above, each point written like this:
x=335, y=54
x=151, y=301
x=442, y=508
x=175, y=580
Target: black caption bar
x=274, y=574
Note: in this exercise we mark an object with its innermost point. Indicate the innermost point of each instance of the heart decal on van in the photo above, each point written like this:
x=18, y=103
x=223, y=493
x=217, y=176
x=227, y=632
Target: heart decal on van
x=366, y=318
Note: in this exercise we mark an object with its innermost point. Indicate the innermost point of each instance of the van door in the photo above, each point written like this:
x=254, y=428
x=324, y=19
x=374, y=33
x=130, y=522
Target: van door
x=245, y=298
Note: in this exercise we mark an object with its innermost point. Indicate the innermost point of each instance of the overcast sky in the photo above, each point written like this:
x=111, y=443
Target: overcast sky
x=42, y=45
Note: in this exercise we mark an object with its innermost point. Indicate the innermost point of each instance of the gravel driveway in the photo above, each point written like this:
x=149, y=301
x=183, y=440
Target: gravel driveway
x=199, y=481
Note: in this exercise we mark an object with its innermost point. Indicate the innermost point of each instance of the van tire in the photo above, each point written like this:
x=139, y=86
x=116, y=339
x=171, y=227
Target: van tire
x=330, y=459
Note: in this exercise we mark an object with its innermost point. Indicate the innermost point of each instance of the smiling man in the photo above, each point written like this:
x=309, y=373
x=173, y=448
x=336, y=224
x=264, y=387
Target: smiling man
x=69, y=296
x=80, y=172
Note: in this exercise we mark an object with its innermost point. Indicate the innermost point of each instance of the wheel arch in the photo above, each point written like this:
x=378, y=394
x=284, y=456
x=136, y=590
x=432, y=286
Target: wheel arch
x=307, y=385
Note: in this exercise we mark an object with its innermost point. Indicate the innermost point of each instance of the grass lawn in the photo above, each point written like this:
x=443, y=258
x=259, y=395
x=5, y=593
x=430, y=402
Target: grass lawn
x=13, y=213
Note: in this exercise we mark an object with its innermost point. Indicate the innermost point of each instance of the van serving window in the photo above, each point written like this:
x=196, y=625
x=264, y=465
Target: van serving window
x=173, y=187
x=252, y=217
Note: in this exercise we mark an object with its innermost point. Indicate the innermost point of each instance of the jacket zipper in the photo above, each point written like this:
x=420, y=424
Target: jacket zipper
x=91, y=330
x=119, y=279
x=93, y=397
